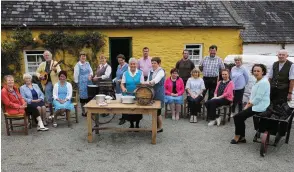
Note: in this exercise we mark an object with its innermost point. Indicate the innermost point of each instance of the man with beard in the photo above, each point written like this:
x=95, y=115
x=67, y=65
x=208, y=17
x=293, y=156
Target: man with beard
x=185, y=66
x=211, y=66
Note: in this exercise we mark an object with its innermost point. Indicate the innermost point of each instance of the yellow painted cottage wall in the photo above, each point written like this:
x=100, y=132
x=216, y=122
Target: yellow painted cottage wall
x=169, y=43
x=165, y=43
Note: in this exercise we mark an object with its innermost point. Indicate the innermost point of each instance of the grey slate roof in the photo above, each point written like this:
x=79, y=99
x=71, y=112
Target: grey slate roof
x=116, y=14
x=266, y=21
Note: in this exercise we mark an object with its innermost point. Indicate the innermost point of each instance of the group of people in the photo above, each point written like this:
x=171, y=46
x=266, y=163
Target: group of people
x=228, y=88
x=224, y=87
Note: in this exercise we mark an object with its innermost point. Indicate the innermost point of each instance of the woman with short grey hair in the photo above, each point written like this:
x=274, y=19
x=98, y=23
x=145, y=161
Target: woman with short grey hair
x=240, y=77
x=133, y=60
x=130, y=79
x=33, y=96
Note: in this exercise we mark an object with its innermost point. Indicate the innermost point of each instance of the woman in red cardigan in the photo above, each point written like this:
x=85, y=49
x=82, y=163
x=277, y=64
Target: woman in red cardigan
x=223, y=95
x=15, y=104
x=174, y=90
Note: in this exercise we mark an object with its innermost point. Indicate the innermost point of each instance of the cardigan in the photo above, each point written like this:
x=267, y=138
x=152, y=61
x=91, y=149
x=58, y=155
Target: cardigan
x=260, y=95
x=69, y=91
x=26, y=93
x=168, y=85
x=11, y=103
x=228, y=92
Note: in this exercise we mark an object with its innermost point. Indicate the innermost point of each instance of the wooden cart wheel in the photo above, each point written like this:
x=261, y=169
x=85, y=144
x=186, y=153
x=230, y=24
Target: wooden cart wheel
x=103, y=118
x=264, y=143
x=257, y=136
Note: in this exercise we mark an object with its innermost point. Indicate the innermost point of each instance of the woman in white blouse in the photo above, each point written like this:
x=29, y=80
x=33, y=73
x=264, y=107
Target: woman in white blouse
x=195, y=86
x=82, y=76
x=156, y=79
x=62, y=93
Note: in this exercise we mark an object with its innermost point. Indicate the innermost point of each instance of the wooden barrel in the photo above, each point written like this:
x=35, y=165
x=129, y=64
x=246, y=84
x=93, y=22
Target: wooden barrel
x=144, y=94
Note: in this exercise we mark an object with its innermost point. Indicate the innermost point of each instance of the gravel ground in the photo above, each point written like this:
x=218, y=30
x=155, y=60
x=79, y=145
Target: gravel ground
x=181, y=147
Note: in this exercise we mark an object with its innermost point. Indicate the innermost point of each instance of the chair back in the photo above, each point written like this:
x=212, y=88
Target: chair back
x=75, y=96
x=3, y=107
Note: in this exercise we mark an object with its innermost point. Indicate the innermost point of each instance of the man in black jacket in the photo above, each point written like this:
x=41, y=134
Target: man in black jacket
x=281, y=77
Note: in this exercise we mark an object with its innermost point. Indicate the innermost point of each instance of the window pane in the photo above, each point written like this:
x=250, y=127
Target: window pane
x=192, y=46
x=190, y=52
x=34, y=59
x=196, y=52
x=40, y=58
x=31, y=58
x=32, y=69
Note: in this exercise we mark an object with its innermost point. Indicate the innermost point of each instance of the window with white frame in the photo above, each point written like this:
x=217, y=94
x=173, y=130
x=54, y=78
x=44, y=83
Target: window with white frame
x=195, y=53
x=32, y=61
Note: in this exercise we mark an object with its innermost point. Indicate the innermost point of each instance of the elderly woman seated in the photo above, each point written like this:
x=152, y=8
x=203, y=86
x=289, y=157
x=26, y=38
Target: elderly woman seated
x=15, y=104
x=130, y=79
x=62, y=93
x=223, y=95
x=174, y=90
x=33, y=96
x=195, y=87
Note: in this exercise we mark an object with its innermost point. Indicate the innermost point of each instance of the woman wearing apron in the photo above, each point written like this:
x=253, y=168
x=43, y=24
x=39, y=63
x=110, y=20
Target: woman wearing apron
x=131, y=78
x=103, y=73
x=156, y=79
x=121, y=68
x=82, y=76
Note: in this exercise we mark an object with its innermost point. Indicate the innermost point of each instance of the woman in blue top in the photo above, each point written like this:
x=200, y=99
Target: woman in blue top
x=240, y=77
x=258, y=102
x=121, y=68
x=62, y=93
x=82, y=77
x=34, y=98
x=130, y=79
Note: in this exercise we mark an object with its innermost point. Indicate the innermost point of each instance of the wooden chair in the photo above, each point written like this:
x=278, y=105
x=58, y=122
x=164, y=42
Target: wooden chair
x=11, y=125
x=74, y=101
x=224, y=111
x=187, y=111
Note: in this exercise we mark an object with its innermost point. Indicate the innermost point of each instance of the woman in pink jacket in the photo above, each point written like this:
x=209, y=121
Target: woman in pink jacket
x=223, y=95
x=174, y=90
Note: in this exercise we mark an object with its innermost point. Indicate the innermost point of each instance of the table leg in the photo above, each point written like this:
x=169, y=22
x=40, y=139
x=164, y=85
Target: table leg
x=89, y=120
x=154, y=126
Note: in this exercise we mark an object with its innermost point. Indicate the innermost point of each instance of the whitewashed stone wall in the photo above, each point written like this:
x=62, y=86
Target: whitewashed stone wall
x=266, y=49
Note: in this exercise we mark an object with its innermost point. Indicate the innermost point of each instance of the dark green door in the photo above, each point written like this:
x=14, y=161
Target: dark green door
x=119, y=46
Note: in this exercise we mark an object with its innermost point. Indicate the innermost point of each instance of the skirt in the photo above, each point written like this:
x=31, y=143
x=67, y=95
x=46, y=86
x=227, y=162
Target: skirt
x=36, y=104
x=173, y=99
x=133, y=117
x=67, y=105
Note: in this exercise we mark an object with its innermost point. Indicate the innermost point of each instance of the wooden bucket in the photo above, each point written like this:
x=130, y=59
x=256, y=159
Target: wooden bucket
x=144, y=95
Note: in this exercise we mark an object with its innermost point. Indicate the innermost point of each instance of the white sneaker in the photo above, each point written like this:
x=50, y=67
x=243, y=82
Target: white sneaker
x=173, y=117
x=192, y=119
x=211, y=123
x=54, y=124
x=195, y=119
x=233, y=114
x=218, y=121
x=42, y=129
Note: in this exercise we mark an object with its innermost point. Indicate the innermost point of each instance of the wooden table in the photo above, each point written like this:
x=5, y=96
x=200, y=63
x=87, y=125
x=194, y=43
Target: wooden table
x=118, y=108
